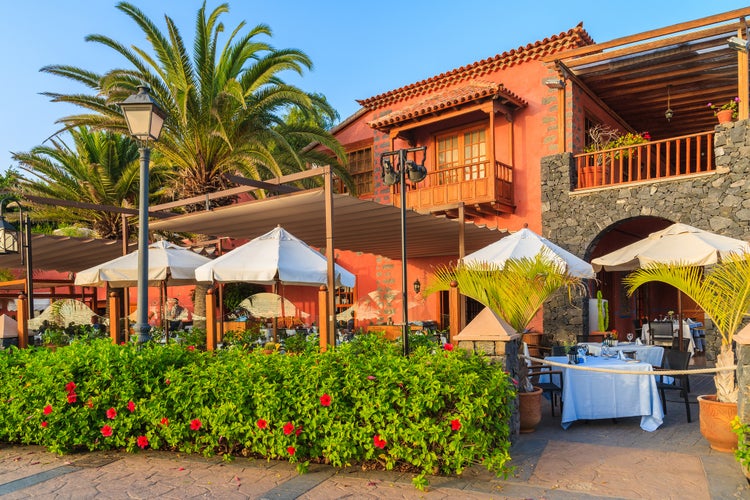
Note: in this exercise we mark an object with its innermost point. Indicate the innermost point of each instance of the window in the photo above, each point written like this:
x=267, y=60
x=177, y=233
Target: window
x=360, y=168
x=462, y=156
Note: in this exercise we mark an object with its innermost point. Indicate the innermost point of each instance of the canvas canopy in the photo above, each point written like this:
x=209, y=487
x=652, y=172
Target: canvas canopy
x=275, y=257
x=677, y=244
x=167, y=263
x=526, y=244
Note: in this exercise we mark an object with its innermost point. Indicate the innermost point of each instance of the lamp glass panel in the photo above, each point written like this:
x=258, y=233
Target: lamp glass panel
x=8, y=240
x=138, y=117
x=156, y=125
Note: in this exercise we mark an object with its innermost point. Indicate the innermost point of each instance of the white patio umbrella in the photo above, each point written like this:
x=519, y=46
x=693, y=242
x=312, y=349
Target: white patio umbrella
x=273, y=258
x=527, y=244
x=677, y=244
x=167, y=263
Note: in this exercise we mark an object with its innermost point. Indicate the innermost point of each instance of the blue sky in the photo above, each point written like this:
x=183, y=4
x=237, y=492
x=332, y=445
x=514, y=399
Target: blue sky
x=359, y=49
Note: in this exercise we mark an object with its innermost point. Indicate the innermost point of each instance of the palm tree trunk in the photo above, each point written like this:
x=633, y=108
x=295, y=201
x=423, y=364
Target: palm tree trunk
x=726, y=388
x=199, y=305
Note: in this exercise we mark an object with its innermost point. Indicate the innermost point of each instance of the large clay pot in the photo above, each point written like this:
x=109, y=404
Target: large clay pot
x=530, y=409
x=724, y=116
x=715, y=422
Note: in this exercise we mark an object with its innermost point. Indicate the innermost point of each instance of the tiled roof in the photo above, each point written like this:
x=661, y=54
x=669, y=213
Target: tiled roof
x=575, y=37
x=446, y=99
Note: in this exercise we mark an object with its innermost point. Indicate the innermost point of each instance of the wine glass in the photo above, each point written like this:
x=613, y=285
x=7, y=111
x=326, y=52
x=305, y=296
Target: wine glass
x=630, y=336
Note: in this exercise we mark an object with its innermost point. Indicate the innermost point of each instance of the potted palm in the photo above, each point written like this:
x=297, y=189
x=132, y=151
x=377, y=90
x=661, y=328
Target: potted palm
x=516, y=293
x=723, y=292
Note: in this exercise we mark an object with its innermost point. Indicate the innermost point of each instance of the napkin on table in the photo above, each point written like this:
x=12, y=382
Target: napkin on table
x=638, y=342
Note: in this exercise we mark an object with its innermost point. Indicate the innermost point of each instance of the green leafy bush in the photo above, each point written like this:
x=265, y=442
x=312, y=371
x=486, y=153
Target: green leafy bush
x=437, y=412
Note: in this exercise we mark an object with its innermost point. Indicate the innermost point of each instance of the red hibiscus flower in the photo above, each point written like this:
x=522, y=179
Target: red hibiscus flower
x=165, y=421
x=70, y=386
x=191, y=348
x=142, y=442
x=167, y=381
x=90, y=403
x=288, y=428
x=131, y=406
x=379, y=443
x=455, y=424
x=448, y=347
x=298, y=431
x=262, y=424
x=325, y=400
x=111, y=413
x=195, y=424
x=106, y=431
x=47, y=410
x=44, y=424
x=291, y=450
x=72, y=397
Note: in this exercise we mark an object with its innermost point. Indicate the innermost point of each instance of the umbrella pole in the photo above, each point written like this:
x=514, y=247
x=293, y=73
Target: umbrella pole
x=679, y=319
x=162, y=304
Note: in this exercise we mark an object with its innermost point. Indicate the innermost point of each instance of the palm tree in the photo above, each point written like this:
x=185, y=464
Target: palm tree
x=99, y=168
x=723, y=292
x=225, y=106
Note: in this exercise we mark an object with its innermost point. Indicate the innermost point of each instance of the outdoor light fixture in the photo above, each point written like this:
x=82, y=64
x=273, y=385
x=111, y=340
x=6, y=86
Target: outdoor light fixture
x=668, y=114
x=394, y=174
x=17, y=241
x=145, y=119
x=738, y=43
x=417, y=286
x=554, y=83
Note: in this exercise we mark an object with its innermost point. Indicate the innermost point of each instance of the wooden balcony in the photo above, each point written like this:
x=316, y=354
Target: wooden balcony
x=650, y=161
x=481, y=189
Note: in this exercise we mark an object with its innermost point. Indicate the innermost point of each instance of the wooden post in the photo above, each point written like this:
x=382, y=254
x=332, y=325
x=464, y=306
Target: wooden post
x=454, y=318
x=22, y=315
x=210, y=320
x=114, y=317
x=323, y=317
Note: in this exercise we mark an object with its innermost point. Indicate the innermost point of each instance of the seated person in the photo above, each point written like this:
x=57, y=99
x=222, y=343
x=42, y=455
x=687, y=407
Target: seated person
x=175, y=314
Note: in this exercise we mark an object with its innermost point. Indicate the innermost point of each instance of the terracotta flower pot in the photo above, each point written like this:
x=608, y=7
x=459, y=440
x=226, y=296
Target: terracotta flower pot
x=724, y=116
x=530, y=409
x=715, y=423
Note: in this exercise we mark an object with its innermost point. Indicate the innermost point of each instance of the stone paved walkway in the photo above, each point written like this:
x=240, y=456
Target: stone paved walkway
x=594, y=460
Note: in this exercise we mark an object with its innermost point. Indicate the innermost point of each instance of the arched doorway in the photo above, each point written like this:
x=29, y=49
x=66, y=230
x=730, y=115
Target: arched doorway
x=650, y=301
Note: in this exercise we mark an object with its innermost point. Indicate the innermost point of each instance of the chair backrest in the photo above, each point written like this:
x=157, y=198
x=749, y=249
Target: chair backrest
x=558, y=350
x=590, y=338
x=676, y=344
x=676, y=360
x=661, y=332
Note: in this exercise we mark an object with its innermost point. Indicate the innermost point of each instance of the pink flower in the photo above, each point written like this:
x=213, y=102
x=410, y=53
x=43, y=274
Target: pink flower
x=455, y=424
x=288, y=428
x=131, y=406
x=44, y=424
x=70, y=386
x=325, y=400
x=291, y=450
x=448, y=347
x=142, y=442
x=167, y=381
x=47, y=410
x=195, y=424
x=165, y=421
x=262, y=424
x=379, y=443
x=370, y=377
x=111, y=413
x=106, y=431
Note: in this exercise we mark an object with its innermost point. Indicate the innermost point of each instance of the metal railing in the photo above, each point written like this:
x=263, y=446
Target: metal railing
x=650, y=161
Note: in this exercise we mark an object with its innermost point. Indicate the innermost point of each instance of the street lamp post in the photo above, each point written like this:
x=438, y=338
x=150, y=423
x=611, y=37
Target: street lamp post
x=394, y=174
x=145, y=119
x=14, y=240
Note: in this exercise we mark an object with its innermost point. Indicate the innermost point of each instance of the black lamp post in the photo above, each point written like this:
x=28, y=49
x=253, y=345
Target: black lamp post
x=145, y=120
x=393, y=173
x=13, y=240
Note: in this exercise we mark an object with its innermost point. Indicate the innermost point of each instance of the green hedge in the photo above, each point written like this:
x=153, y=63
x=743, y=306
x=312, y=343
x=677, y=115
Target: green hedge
x=439, y=411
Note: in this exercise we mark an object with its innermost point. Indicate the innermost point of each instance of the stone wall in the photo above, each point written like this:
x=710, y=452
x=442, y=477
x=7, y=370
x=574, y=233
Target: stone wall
x=717, y=201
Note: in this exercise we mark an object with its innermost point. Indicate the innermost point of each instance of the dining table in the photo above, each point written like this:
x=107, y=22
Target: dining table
x=651, y=354
x=590, y=395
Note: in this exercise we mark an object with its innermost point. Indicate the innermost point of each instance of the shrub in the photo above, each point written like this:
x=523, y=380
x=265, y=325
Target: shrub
x=436, y=412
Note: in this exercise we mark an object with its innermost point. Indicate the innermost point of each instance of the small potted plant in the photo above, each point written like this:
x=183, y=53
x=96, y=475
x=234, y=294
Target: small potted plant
x=726, y=112
x=742, y=453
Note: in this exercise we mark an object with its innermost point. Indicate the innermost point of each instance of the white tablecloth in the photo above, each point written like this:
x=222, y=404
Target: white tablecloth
x=651, y=354
x=590, y=395
x=686, y=333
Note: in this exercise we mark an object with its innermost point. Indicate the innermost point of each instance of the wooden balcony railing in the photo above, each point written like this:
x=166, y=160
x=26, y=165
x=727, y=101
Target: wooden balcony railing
x=650, y=161
x=475, y=184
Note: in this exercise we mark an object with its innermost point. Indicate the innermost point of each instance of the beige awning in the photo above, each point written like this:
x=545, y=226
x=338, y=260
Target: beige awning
x=358, y=225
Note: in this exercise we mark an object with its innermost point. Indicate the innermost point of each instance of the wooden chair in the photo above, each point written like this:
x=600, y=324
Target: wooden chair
x=675, y=360
x=676, y=344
